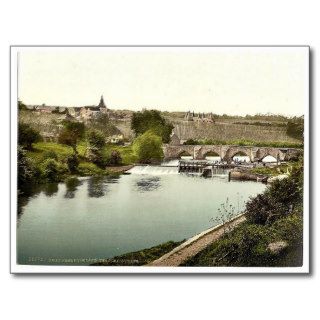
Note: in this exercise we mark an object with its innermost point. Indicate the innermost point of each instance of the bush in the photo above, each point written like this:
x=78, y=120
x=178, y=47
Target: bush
x=50, y=155
x=27, y=135
x=89, y=169
x=115, y=158
x=148, y=147
x=281, y=198
x=50, y=170
x=72, y=163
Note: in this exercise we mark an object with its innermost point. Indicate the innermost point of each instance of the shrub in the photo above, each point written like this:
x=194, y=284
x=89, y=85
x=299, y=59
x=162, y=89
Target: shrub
x=148, y=147
x=72, y=163
x=50, y=154
x=89, y=169
x=281, y=198
x=50, y=170
x=115, y=158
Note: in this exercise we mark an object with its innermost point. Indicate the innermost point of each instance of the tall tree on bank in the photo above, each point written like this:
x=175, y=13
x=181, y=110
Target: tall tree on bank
x=148, y=147
x=72, y=132
x=151, y=120
x=27, y=136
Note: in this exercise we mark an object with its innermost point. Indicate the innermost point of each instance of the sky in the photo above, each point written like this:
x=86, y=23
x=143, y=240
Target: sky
x=227, y=80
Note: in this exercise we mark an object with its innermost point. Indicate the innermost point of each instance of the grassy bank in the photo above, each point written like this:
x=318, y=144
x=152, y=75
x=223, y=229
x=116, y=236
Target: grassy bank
x=248, y=245
x=272, y=235
x=43, y=150
x=141, y=257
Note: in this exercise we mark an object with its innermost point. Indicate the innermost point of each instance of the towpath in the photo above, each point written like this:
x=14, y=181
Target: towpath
x=194, y=245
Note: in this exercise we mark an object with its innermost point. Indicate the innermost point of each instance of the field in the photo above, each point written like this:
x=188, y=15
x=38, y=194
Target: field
x=226, y=130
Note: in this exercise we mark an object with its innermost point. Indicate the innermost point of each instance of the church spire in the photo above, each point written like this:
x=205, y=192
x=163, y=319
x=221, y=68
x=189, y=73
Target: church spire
x=101, y=103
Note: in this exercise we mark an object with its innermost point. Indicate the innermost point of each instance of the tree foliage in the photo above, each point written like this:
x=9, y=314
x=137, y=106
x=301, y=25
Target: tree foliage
x=27, y=135
x=72, y=132
x=151, y=120
x=148, y=147
x=96, y=141
x=279, y=199
x=25, y=168
x=295, y=129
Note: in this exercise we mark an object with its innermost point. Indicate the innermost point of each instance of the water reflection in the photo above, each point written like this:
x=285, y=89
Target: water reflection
x=24, y=195
x=148, y=184
x=96, y=187
x=50, y=189
x=72, y=186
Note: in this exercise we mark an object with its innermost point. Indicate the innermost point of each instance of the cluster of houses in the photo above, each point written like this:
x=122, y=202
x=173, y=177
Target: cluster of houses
x=82, y=114
x=199, y=117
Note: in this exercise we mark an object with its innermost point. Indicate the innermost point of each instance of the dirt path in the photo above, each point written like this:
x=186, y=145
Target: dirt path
x=195, y=244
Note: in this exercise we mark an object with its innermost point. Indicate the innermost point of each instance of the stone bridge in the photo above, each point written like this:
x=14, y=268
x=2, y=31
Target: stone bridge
x=227, y=152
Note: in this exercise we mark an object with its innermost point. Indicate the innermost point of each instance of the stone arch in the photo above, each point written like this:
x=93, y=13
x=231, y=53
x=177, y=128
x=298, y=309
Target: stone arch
x=211, y=153
x=264, y=152
x=233, y=151
x=203, y=151
x=269, y=158
x=184, y=153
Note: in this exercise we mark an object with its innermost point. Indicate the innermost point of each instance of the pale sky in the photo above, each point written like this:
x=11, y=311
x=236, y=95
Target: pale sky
x=219, y=80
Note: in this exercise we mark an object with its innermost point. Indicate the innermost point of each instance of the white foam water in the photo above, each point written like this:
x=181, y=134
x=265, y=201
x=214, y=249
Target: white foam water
x=153, y=170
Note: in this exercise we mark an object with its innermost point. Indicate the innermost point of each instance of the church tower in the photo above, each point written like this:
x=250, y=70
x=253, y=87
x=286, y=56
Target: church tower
x=102, y=104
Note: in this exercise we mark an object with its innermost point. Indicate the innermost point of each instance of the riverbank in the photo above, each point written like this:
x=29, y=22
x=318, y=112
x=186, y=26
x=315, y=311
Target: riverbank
x=194, y=245
x=141, y=257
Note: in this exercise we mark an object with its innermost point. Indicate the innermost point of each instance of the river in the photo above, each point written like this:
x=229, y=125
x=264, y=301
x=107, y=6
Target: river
x=101, y=217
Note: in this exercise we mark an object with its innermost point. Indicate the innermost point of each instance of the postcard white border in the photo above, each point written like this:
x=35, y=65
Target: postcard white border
x=16, y=268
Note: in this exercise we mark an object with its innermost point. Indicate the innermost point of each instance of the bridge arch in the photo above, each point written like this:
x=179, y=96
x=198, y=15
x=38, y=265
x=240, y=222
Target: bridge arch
x=204, y=151
x=184, y=153
x=241, y=151
x=269, y=158
x=262, y=153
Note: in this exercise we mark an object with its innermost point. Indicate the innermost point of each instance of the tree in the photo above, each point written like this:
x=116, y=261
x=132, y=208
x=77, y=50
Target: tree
x=25, y=168
x=295, y=129
x=71, y=133
x=27, y=136
x=148, y=147
x=22, y=106
x=96, y=141
x=151, y=120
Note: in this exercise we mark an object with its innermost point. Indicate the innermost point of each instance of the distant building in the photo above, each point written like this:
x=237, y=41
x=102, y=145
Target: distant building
x=117, y=138
x=199, y=117
x=174, y=140
x=91, y=112
x=78, y=113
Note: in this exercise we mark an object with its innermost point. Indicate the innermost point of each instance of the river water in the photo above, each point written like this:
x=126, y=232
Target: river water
x=101, y=217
